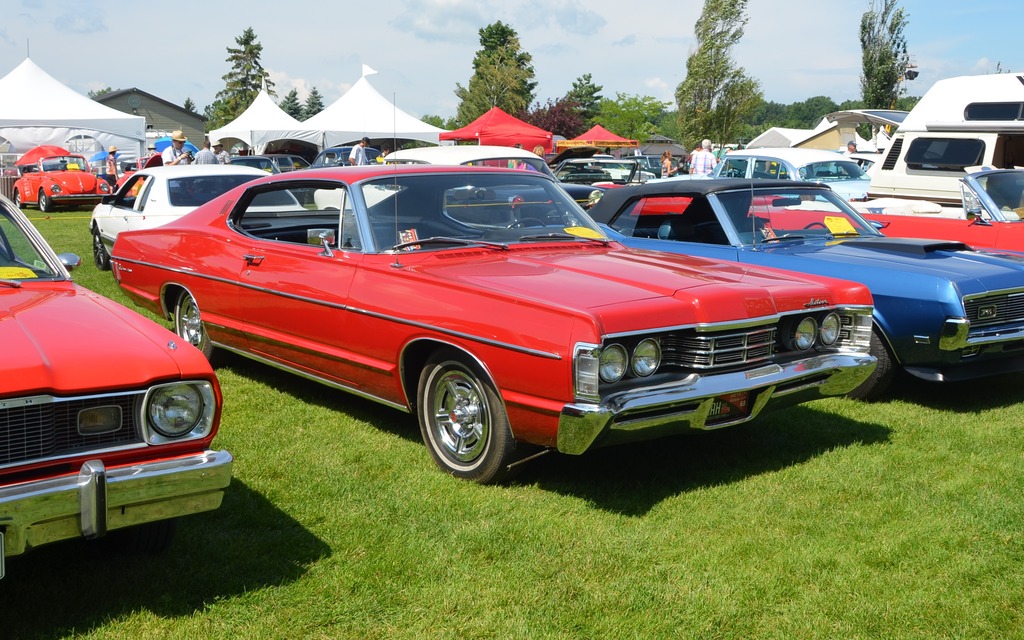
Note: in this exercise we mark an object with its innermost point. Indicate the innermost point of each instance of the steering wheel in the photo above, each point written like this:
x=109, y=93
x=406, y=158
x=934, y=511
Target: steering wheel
x=526, y=222
x=815, y=225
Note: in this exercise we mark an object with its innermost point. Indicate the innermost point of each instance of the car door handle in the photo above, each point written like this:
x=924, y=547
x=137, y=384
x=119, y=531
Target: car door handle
x=253, y=261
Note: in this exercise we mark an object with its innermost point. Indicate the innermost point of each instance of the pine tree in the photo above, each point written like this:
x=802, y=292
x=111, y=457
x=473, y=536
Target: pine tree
x=291, y=104
x=242, y=83
x=314, y=104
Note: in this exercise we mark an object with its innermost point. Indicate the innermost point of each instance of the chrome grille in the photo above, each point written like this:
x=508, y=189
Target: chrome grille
x=718, y=350
x=996, y=308
x=47, y=427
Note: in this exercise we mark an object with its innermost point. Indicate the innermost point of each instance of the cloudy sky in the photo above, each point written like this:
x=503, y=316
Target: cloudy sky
x=422, y=48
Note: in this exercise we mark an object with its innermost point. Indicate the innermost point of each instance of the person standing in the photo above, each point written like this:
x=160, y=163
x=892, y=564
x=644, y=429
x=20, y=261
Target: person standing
x=358, y=154
x=703, y=162
x=112, y=165
x=175, y=154
x=205, y=155
x=223, y=157
x=666, y=164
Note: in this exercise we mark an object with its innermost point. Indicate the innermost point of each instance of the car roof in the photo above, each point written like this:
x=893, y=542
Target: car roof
x=459, y=154
x=795, y=155
x=202, y=170
x=613, y=199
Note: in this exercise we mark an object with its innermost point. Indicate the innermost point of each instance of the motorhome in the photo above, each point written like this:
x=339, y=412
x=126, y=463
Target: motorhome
x=961, y=122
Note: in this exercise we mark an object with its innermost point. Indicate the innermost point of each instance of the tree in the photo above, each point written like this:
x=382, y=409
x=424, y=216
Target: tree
x=716, y=95
x=440, y=122
x=502, y=76
x=631, y=117
x=189, y=105
x=242, y=83
x=314, y=104
x=884, y=54
x=587, y=95
x=101, y=92
x=291, y=105
x=561, y=116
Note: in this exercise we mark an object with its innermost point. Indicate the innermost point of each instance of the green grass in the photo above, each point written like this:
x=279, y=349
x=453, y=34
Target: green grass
x=836, y=519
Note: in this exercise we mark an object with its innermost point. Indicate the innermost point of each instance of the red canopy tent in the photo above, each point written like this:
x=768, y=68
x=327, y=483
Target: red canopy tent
x=500, y=128
x=597, y=136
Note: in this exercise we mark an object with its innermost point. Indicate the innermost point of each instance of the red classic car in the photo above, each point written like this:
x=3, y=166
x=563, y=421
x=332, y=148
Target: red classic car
x=991, y=214
x=106, y=418
x=51, y=176
x=488, y=304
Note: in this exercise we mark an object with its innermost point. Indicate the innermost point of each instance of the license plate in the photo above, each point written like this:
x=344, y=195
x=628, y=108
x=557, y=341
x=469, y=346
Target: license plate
x=731, y=405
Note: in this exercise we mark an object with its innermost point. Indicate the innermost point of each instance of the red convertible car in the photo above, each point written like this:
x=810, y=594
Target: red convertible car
x=991, y=215
x=52, y=176
x=106, y=418
x=488, y=304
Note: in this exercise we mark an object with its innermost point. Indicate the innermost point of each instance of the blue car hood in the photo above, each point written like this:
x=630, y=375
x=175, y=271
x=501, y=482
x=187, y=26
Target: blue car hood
x=873, y=261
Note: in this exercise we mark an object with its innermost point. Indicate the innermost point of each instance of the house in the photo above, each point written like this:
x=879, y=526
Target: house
x=162, y=117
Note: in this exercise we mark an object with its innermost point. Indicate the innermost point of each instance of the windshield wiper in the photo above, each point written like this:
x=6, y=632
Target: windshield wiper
x=14, y=284
x=563, y=236
x=785, y=236
x=447, y=240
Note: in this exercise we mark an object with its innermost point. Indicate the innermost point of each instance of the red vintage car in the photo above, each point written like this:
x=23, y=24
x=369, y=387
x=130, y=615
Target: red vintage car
x=990, y=216
x=106, y=418
x=52, y=176
x=487, y=303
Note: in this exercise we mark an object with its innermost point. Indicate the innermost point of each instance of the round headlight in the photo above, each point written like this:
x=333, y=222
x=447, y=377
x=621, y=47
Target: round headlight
x=831, y=325
x=594, y=196
x=613, y=363
x=175, y=409
x=55, y=188
x=646, y=357
x=803, y=336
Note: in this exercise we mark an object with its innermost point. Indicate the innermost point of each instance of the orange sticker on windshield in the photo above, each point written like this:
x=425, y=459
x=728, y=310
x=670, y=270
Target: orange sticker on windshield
x=839, y=226
x=14, y=273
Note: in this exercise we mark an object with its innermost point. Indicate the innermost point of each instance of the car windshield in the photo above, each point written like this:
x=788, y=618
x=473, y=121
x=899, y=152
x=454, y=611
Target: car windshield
x=832, y=170
x=591, y=170
x=760, y=215
x=1006, y=189
x=20, y=258
x=193, y=191
x=65, y=163
x=503, y=207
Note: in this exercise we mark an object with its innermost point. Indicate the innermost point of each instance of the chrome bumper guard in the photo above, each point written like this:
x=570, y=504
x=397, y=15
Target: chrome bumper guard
x=98, y=499
x=655, y=411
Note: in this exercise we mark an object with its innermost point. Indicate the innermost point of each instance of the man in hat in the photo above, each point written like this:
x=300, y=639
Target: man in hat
x=358, y=154
x=223, y=157
x=176, y=154
x=112, y=165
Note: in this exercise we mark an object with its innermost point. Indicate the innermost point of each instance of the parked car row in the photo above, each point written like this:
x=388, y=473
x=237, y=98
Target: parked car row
x=485, y=301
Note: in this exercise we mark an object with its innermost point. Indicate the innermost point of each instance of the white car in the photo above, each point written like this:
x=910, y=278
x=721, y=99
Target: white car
x=840, y=172
x=155, y=196
x=483, y=155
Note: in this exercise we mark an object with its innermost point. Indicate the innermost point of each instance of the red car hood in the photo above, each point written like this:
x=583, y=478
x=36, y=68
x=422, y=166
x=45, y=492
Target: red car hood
x=609, y=283
x=75, y=181
x=64, y=339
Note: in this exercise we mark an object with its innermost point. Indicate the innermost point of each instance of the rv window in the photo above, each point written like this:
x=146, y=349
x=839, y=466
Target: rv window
x=945, y=154
x=993, y=111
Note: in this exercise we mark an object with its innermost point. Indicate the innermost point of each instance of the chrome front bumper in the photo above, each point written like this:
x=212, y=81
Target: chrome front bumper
x=656, y=411
x=98, y=499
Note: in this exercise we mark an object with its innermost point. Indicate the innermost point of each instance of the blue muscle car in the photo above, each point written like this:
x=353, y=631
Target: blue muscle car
x=943, y=311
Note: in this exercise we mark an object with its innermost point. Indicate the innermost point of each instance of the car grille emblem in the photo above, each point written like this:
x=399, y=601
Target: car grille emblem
x=987, y=312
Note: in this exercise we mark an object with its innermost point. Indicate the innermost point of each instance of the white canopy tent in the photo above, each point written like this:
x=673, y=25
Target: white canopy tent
x=37, y=109
x=264, y=123
x=362, y=111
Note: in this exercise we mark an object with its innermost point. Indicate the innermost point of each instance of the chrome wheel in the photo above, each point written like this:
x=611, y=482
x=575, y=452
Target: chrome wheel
x=463, y=421
x=17, y=198
x=188, y=323
x=45, y=204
